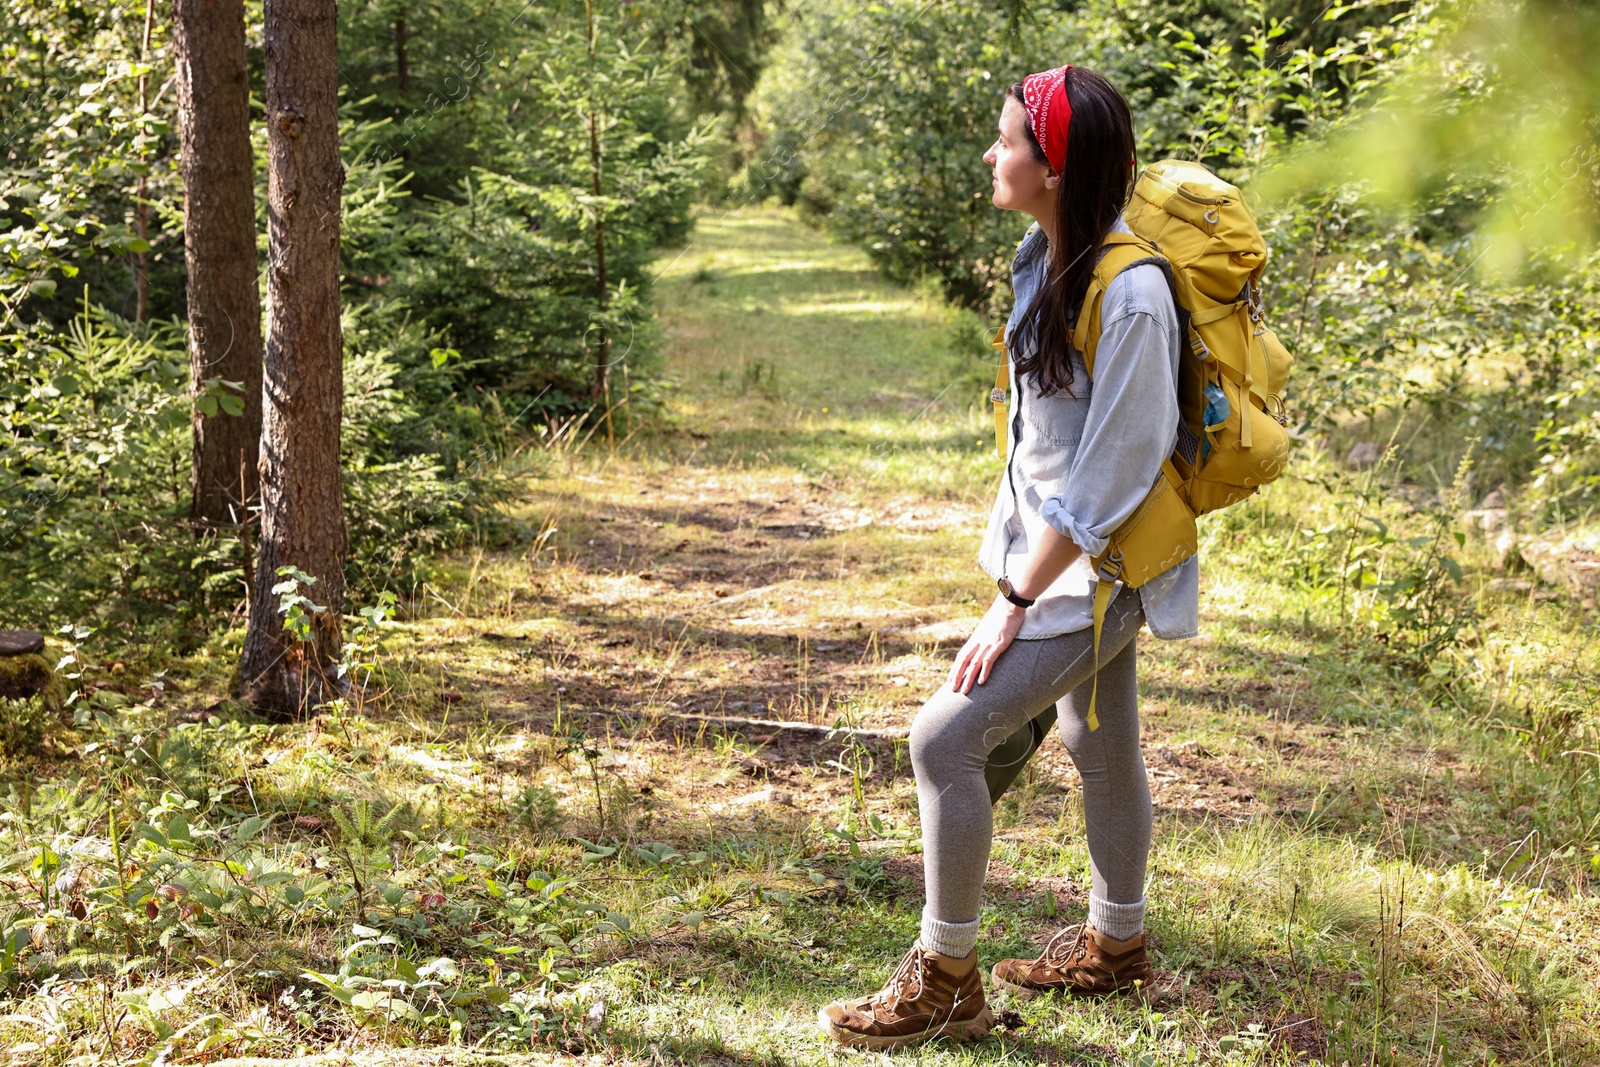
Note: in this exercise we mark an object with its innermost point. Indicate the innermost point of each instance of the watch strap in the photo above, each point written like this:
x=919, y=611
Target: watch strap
x=1009, y=591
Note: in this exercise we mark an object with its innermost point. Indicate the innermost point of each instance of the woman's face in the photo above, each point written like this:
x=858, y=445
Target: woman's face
x=1021, y=182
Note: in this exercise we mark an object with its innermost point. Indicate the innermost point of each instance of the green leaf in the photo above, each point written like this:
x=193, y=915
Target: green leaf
x=594, y=853
x=43, y=287
x=232, y=403
x=251, y=827
x=206, y=405
x=386, y=1004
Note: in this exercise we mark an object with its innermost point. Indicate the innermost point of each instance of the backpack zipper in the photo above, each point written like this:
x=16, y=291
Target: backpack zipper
x=1200, y=199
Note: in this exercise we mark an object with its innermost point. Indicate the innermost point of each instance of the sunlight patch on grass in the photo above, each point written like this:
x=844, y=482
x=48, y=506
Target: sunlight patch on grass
x=858, y=307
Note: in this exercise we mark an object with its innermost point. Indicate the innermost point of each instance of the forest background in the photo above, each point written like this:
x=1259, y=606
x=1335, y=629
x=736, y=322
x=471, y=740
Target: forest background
x=1425, y=174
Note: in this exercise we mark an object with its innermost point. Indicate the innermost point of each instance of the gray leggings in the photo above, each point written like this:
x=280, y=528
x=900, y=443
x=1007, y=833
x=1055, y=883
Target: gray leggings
x=955, y=737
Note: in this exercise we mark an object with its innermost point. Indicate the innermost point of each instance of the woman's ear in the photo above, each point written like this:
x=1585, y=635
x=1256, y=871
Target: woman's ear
x=1051, y=179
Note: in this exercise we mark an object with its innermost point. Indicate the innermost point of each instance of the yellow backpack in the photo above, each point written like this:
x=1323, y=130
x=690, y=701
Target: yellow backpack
x=1232, y=436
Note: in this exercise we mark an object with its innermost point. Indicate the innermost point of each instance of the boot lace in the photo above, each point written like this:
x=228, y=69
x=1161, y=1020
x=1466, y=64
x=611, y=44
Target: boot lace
x=1066, y=948
x=909, y=975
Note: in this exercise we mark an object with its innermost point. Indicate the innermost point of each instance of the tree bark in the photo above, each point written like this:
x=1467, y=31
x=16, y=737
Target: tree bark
x=219, y=244
x=302, y=518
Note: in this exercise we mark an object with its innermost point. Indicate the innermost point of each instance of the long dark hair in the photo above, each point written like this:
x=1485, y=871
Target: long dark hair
x=1093, y=191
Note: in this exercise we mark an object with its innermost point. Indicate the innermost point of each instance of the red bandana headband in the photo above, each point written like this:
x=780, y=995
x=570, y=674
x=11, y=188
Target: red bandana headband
x=1049, y=113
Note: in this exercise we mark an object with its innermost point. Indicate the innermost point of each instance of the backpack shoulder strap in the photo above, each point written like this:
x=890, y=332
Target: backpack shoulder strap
x=1123, y=250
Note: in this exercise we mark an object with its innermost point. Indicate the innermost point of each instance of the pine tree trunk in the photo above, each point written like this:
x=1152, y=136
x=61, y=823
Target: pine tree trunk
x=219, y=242
x=302, y=519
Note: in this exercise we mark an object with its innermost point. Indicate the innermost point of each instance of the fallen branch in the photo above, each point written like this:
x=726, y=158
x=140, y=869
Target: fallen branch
x=894, y=733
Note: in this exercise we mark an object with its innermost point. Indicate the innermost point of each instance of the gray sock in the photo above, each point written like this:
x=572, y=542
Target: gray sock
x=956, y=940
x=1120, y=921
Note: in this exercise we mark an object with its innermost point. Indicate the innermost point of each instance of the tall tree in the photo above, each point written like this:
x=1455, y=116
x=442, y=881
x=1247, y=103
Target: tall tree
x=219, y=242
x=284, y=672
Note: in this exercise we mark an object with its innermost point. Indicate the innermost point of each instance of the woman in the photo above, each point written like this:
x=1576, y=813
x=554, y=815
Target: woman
x=1080, y=459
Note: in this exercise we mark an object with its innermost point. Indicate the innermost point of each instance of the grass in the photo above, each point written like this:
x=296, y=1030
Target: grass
x=554, y=799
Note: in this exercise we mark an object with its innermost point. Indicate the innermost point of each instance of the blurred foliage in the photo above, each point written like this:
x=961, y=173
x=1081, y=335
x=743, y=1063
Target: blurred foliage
x=1500, y=114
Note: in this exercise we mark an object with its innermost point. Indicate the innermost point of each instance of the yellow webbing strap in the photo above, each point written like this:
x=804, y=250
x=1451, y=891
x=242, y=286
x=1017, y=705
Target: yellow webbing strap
x=1102, y=601
x=1002, y=382
x=1216, y=314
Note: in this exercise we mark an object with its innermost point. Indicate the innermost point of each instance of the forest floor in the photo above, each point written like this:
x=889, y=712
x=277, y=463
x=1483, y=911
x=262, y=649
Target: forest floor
x=571, y=784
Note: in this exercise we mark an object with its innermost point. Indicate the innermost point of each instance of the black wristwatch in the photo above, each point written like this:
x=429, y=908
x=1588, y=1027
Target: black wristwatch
x=1009, y=591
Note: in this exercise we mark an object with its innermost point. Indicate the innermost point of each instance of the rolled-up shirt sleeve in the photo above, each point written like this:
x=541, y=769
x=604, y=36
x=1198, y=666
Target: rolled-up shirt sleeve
x=1131, y=427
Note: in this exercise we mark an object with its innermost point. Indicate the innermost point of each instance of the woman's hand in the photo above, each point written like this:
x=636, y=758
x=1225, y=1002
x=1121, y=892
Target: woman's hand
x=997, y=629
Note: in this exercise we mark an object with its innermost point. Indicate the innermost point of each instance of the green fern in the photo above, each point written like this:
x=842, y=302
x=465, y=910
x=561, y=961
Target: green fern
x=362, y=828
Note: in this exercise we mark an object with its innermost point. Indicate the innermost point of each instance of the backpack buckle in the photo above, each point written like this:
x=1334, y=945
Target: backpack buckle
x=1198, y=345
x=1110, y=568
x=997, y=395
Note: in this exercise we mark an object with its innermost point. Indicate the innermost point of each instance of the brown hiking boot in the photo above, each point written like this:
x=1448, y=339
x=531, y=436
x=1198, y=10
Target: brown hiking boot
x=920, y=1001
x=1080, y=961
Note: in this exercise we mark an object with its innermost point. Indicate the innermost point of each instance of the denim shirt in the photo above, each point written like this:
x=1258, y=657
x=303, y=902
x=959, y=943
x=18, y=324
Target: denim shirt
x=1082, y=463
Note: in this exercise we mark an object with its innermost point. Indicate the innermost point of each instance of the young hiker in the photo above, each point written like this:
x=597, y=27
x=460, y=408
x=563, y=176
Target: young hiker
x=1080, y=459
